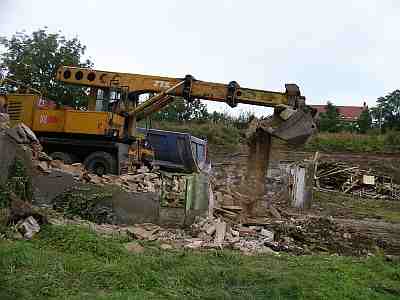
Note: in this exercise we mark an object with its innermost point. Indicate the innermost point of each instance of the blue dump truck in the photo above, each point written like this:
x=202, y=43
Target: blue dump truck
x=177, y=151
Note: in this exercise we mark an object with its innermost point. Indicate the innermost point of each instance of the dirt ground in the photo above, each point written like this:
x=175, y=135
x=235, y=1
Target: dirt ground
x=336, y=223
x=351, y=225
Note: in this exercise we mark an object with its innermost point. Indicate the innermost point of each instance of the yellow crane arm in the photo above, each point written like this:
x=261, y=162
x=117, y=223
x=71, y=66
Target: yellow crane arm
x=294, y=122
x=187, y=87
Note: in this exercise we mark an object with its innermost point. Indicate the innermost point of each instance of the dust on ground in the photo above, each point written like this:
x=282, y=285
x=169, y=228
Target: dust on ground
x=253, y=185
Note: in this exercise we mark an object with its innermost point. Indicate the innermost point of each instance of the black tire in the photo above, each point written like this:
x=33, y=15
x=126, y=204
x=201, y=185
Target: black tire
x=101, y=163
x=67, y=158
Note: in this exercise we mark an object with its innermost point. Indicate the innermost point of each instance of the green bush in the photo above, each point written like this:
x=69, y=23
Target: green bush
x=90, y=202
x=392, y=141
x=18, y=182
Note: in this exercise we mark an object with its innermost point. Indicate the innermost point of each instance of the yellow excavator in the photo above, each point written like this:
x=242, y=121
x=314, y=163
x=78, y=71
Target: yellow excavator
x=293, y=120
x=104, y=135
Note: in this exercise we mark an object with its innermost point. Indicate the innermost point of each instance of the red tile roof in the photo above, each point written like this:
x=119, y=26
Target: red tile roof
x=350, y=113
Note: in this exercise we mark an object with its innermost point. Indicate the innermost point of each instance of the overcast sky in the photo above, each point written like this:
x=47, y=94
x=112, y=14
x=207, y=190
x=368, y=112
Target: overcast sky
x=343, y=51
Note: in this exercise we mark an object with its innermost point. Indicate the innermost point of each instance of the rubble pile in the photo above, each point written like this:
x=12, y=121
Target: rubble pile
x=229, y=204
x=340, y=177
x=23, y=136
x=300, y=236
x=171, y=186
x=294, y=236
x=215, y=233
x=142, y=180
x=24, y=219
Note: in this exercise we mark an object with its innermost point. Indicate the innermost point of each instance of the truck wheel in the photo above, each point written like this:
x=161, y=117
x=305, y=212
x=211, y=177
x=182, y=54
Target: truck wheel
x=101, y=163
x=67, y=158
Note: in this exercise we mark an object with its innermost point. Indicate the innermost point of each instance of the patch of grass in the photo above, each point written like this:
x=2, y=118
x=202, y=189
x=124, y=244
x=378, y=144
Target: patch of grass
x=353, y=142
x=341, y=205
x=346, y=141
x=73, y=263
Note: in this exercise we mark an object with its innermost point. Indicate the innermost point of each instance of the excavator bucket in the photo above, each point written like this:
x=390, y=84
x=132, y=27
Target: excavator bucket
x=295, y=126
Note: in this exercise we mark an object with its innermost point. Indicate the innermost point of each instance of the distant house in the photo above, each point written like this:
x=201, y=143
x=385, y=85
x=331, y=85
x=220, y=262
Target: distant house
x=347, y=113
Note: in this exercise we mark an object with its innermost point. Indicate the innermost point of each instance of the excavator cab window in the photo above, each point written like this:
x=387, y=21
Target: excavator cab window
x=106, y=98
x=115, y=97
x=99, y=100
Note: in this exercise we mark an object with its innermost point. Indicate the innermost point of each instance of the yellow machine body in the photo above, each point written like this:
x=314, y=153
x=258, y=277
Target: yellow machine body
x=31, y=110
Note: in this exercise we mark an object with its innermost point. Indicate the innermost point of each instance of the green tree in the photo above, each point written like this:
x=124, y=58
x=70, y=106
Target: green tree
x=364, y=121
x=387, y=112
x=33, y=60
x=330, y=120
x=181, y=110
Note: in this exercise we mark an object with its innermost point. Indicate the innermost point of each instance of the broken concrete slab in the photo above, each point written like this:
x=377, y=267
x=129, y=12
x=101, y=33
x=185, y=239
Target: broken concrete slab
x=135, y=208
x=269, y=235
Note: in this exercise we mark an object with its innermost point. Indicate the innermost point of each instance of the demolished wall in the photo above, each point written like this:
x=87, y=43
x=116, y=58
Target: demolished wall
x=143, y=196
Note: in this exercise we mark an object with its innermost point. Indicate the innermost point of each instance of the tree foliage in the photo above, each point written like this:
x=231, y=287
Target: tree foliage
x=181, y=110
x=33, y=60
x=330, y=120
x=241, y=121
x=364, y=121
x=387, y=111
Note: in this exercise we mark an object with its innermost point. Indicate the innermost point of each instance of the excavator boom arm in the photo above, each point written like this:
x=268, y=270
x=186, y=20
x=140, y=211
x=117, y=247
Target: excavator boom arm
x=294, y=123
x=231, y=93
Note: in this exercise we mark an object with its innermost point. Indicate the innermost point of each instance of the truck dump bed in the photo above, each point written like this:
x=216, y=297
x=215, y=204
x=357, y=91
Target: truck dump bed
x=177, y=151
